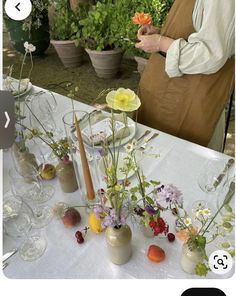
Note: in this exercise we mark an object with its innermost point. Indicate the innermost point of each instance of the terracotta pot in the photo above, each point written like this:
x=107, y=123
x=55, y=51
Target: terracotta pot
x=119, y=244
x=106, y=63
x=142, y=62
x=67, y=177
x=70, y=55
x=190, y=258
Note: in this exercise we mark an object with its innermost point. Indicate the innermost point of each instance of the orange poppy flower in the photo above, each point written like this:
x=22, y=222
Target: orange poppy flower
x=141, y=18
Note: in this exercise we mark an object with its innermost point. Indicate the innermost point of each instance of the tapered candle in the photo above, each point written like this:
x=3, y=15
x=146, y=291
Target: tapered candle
x=86, y=171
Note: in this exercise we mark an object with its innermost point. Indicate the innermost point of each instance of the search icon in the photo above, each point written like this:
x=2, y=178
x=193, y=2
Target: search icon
x=220, y=262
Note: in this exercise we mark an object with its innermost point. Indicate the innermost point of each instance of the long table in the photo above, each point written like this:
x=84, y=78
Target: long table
x=180, y=163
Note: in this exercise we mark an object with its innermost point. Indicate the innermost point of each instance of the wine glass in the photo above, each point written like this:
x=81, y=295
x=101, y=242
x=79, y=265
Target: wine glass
x=30, y=189
x=212, y=177
x=17, y=223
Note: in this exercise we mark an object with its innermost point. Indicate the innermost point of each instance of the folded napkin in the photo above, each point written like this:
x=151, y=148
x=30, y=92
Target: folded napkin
x=100, y=130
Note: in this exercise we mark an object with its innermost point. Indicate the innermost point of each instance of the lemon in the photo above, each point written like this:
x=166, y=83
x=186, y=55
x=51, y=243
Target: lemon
x=95, y=224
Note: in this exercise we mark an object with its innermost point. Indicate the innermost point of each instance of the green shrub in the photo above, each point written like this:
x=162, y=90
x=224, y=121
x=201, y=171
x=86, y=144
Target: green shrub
x=67, y=22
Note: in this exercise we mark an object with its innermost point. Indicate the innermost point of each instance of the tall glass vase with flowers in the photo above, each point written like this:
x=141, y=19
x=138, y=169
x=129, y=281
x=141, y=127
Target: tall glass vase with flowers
x=112, y=208
x=20, y=152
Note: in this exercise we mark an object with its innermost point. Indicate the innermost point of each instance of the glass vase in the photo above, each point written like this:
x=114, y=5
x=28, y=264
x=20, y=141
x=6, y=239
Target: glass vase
x=67, y=177
x=191, y=257
x=118, y=241
x=23, y=160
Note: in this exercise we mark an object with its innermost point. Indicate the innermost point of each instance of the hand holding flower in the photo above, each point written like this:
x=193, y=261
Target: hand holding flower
x=147, y=30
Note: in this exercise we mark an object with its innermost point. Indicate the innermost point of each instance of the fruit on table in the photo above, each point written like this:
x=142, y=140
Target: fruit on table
x=47, y=171
x=171, y=237
x=156, y=254
x=79, y=237
x=71, y=217
x=95, y=224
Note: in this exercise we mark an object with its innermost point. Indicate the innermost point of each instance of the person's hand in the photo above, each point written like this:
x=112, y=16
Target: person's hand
x=147, y=30
x=149, y=43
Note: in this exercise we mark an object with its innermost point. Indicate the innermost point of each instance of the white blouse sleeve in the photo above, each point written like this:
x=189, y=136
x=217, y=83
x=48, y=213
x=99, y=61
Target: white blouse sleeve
x=206, y=50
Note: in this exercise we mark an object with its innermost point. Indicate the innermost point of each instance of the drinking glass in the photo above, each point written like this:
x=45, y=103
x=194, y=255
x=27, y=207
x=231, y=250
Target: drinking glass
x=17, y=223
x=30, y=189
x=207, y=179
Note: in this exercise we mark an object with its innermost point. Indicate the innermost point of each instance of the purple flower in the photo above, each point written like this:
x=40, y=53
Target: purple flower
x=102, y=152
x=170, y=194
x=150, y=210
x=98, y=210
x=107, y=221
x=122, y=220
x=113, y=214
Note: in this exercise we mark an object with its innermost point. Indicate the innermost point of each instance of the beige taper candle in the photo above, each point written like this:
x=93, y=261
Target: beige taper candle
x=87, y=176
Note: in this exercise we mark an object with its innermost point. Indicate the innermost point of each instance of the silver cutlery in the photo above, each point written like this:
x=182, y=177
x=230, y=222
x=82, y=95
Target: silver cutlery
x=150, y=139
x=4, y=265
x=230, y=193
x=8, y=255
x=147, y=132
x=228, y=165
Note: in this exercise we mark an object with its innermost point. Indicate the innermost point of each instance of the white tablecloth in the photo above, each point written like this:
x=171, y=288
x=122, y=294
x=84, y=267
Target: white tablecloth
x=180, y=163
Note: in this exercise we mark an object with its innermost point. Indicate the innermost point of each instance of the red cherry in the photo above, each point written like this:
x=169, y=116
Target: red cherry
x=80, y=240
x=171, y=237
x=78, y=234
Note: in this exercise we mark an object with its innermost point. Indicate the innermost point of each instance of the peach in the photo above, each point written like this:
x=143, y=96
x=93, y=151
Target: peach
x=156, y=254
x=71, y=217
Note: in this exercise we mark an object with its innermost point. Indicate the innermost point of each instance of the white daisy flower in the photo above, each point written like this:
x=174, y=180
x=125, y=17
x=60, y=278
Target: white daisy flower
x=187, y=221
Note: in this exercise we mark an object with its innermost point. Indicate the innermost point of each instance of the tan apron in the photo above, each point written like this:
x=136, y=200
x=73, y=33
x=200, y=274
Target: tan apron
x=188, y=106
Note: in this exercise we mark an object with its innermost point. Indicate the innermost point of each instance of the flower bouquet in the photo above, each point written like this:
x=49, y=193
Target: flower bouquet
x=112, y=207
x=200, y=230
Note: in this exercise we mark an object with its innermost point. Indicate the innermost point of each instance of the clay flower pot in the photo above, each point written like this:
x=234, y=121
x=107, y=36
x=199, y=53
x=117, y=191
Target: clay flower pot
x=70, y=55
x=106, y=63
x=142, y=62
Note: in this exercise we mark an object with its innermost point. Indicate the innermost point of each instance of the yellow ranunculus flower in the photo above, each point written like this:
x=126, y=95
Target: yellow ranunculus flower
x=123, y=99
x=95, y=224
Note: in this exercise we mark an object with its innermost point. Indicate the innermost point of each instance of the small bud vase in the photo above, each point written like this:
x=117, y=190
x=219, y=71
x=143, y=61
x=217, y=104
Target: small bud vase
x=118, y=240
x=190, y=258
x=67, y=177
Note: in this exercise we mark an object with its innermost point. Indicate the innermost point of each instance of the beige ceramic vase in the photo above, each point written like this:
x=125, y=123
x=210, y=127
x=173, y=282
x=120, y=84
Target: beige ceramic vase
x=119, y=244
x=190, y=258
x=66, y=175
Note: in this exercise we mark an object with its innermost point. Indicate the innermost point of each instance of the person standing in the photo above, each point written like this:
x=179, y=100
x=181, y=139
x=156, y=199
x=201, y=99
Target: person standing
x=190, y=74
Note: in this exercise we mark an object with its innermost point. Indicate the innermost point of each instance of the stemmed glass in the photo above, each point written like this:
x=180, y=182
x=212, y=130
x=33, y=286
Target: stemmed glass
x=30, y=189
x=208, y=179
x=17, y=223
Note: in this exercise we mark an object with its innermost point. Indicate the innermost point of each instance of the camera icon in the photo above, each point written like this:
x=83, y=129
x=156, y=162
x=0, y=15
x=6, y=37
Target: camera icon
x=220, y=262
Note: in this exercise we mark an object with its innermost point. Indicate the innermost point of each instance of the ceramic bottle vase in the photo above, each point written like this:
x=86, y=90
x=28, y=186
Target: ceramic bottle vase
x=119, y=243
x=190, y=258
